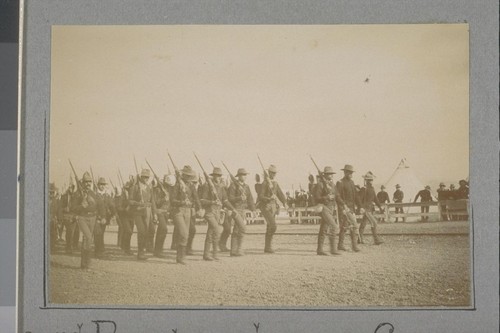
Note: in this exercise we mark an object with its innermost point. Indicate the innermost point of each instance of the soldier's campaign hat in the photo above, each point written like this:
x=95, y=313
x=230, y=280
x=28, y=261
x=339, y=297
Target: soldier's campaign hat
x=398, y=186
x=189, y=173
x=348, y=168
x=241, y=171
x=462, y=181
x=169, y=180
x=217, y=172
x=145, y=173
x=52, y=187
x=427, y=187
x=273, y=168
x=328, y=170
x=382, y=187
x=102, y=181
x=86, y=177
x=441, y=185
x=368, y=176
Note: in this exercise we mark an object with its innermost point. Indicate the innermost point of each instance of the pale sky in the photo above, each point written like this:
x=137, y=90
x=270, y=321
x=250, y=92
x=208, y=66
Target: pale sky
x=230, y=92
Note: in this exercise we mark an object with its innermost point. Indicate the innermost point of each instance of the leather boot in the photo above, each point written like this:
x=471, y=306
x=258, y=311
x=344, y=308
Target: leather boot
x=376, y=239
x=234, y=246
x=206, y=250
x=319, y=250
x=83, y=262
x=215, y=251
x=181, y=255
x=354, y=240
x=361, y=232
x=239, y=253
x=140, y=248
x=189, y=247
x=159, y=241
x=333, y=245
x=341, y=246
x=268, y=247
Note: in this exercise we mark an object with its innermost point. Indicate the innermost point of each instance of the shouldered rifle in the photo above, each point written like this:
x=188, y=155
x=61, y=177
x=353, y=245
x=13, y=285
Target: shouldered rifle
x=93, y=179
x=322, y=177
x=178, y=176
x=121, y=178
x=267, y=179
x=235, y=181
x=78, y=183
x=157, y=180
x=213, y=166
x=113, y=185
x=208, y=180
x=137, y=180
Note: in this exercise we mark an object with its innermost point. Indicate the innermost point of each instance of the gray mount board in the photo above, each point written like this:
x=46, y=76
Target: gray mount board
x=482, y=17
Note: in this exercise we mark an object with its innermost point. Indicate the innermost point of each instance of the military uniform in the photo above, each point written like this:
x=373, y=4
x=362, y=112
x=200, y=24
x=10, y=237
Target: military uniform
x=126, y=219
x=213, y=201
x=241, y=198
x=162, y=202
x=72, y=236
x=100, y=227
x=425, y=196
x=367, y=200
x=183, y=199
x=398, y=197
x=88, y=209
x=142, y=209
x=325, y=194
x=268, y=198
x=347, y=199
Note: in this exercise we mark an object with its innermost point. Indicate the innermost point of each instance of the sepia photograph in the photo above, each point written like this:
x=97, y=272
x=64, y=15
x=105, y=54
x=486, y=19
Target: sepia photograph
x=268, y=166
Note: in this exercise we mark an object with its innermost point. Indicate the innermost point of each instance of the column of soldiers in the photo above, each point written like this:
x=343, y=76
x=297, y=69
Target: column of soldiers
x=145, y=207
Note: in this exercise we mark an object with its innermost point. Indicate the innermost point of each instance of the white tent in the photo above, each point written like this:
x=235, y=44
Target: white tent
x=410, y=184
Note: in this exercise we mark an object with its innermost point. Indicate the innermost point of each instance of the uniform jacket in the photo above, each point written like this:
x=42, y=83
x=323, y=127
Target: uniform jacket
x=425, y=196
x=321, y=192
x=236, y=194
x=95, y=206
x=383, y=197
x=347, y=193
x=367, y=198
x=398, y=196
x=109, y=205
x=141, y=196
x=265, y=196
x=208, y=199
x=162, y=199
x=178, y=196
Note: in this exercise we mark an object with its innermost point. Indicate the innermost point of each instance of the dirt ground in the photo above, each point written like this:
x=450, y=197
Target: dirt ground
x=419, y=265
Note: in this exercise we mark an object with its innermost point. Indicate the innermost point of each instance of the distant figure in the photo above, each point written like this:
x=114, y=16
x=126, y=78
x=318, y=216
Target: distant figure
x=398, y=197
x=368, y=200
x=425, y=196
x=348, y=201
x=383, y=198
x=463, y=190
x=443, y=194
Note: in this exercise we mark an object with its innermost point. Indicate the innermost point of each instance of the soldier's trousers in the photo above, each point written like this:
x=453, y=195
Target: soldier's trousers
x=127, y=225
x=346, y=224
x=269, y=213
x=86, y=225
x=226, y=231
x=192, y=230
x=161, y=232
x=142, y=223
x=72, y=236
x=213, y=231
x=99, y=231
x=329, y=223
x=239, y=228
x=424, y=209
x=182, y=220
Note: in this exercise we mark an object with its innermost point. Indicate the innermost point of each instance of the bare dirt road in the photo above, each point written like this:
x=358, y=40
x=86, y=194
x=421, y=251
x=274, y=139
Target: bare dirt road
x=419, y=265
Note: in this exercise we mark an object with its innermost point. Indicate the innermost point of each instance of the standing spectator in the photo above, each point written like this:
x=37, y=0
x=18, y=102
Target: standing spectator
x=441, y=196
x=398, y=197
x=425, y=196
x=383, y=198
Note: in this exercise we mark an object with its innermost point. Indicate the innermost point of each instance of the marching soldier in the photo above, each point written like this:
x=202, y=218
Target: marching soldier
x=241, y=198
x=54, y=215
x=126, y=219
x=213, y=200
x=367, y=201
x=268, y=197
x=325, y=194
x=101, y=225
x=398, y=197
x=162, y=203
x=88, y=209
x=183, y=198
x=348, y=201
x=72, y=236
x=143, y=210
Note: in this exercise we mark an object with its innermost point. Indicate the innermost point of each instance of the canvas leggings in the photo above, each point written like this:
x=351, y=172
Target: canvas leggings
x=329, y=223
x=86, y=225
x=269, y=213
x=127, y=225
x=143, y=223
x=213, y=231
